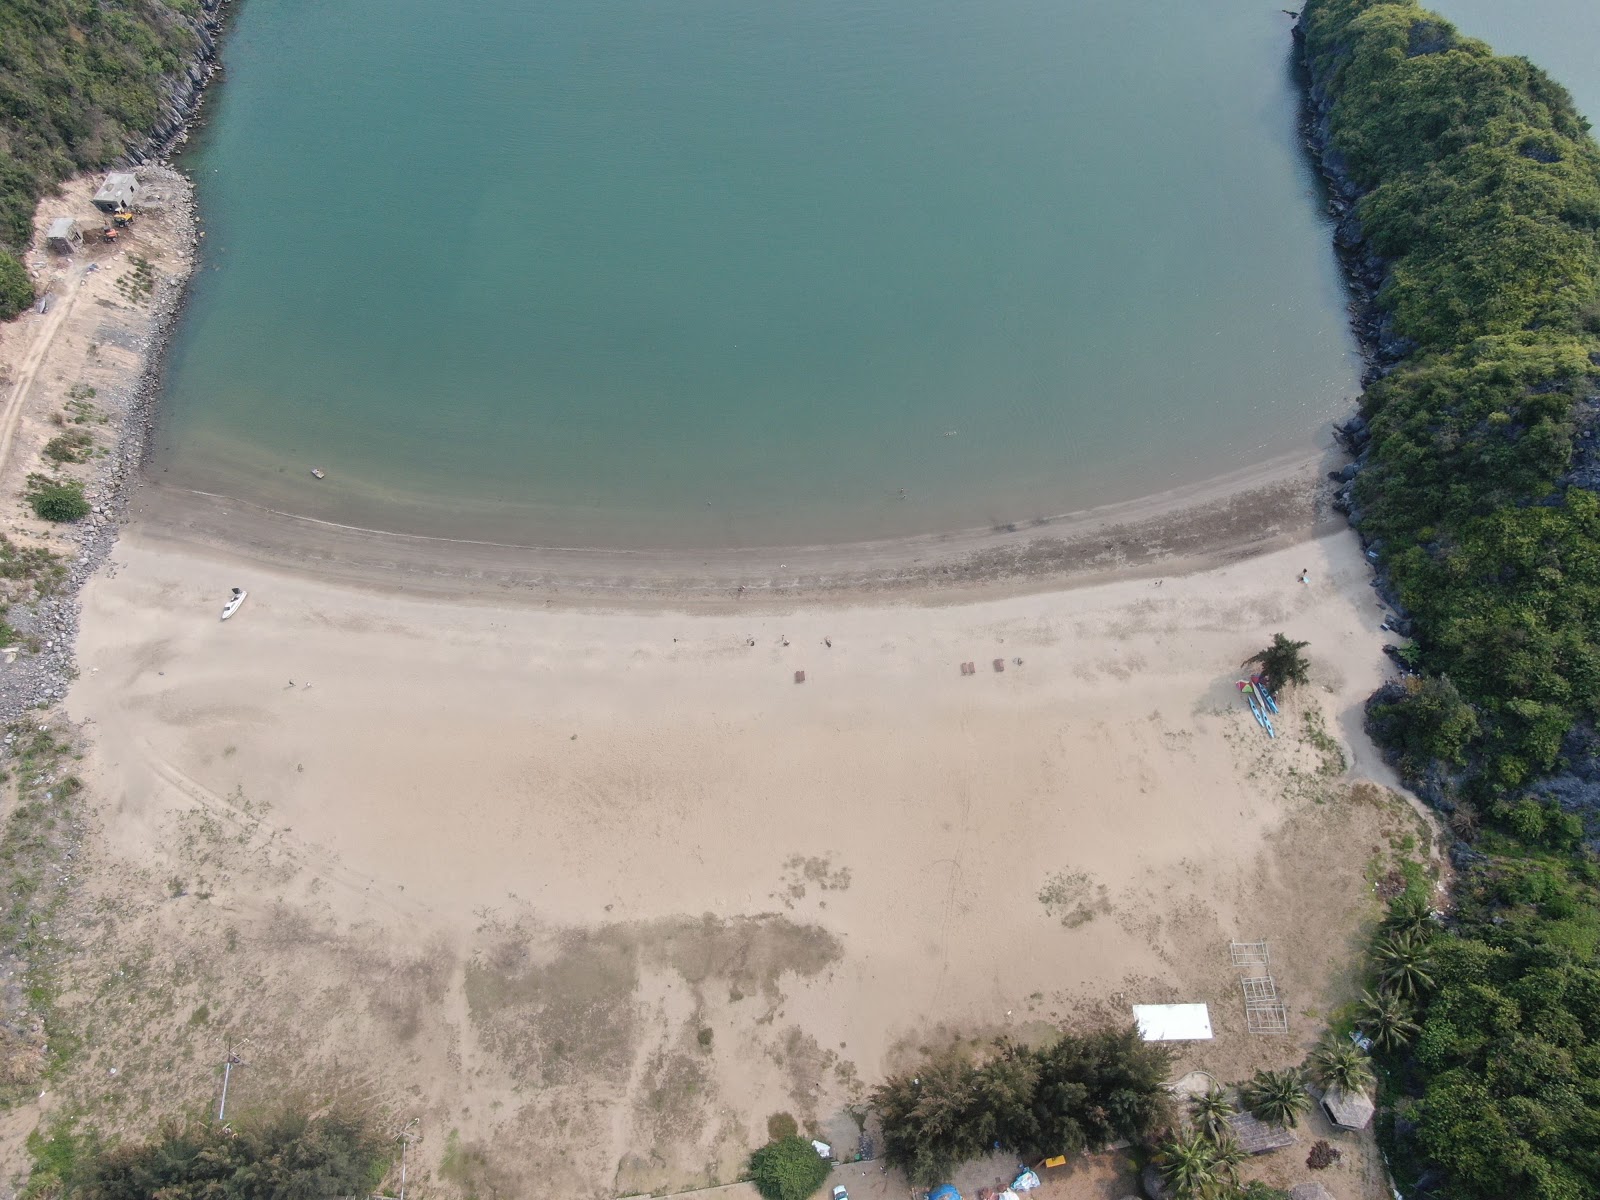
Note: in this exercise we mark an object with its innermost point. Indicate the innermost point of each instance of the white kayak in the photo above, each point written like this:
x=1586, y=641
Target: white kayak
x=235, y=599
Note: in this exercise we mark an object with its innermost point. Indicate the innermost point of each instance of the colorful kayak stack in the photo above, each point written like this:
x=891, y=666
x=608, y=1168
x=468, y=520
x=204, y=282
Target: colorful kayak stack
x=1260, y=701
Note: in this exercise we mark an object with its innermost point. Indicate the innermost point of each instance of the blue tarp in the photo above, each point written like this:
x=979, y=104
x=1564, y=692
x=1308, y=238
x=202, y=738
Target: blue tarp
x=944, y=1192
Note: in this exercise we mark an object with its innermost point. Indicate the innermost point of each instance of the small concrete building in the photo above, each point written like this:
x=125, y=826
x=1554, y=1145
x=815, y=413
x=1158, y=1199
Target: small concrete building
x=1310, y=1191
x=117, y=192
x=63, y=235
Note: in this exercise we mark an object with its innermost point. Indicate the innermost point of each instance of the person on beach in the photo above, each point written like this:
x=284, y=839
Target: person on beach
x=1305, y=575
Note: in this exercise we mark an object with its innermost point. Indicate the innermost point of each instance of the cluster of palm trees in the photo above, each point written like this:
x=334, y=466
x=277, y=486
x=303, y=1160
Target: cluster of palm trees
x=1202, y=1163
x=1404, y=974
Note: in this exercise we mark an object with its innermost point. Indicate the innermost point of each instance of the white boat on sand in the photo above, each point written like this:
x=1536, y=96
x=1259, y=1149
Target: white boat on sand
x=235, y=599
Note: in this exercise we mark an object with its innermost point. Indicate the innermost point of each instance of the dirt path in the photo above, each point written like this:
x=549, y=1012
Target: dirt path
x=64, y=298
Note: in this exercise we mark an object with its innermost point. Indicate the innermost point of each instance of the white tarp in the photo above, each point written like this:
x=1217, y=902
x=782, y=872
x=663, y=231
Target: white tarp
x=1173, y=1022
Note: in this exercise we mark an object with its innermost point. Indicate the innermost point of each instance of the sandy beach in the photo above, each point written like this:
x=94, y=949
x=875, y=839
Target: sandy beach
x=597, y=890
x=547, y=850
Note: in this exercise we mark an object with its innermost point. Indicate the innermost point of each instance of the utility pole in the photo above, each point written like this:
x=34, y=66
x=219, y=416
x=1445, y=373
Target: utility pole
x=228, y=1064
x=405, y=1141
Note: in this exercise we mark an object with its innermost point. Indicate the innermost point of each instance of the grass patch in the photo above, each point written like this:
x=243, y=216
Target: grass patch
x=34, y=871
x=58, y=500
x=74, y=446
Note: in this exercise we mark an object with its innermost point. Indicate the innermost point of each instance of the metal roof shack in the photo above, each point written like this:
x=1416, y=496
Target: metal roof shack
x=1258, y=1137
x=62, y=235
x=1348, y=1111
x=117, y=192
x=1310, y=1191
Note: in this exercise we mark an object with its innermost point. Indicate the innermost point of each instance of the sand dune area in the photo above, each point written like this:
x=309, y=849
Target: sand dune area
x=593, y=893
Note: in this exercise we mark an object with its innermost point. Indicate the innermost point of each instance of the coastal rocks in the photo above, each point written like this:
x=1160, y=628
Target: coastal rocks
x=42, y=675
x=184, y=89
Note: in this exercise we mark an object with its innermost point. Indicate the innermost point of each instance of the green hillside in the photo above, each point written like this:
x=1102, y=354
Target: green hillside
x=1476, y=213
x=80, y=81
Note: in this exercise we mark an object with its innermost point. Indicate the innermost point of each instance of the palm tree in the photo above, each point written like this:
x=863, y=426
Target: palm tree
x=1276, y=1096
x=1210, y=1112
x=1189, y=1168
x=1341, y=1064
x=1409, y=914
x=1228, y=1157
x=1281, y=663
x=1404, y=967
x=1386, y=1019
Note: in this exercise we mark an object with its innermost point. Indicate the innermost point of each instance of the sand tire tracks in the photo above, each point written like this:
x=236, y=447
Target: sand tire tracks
x=324, y=862
x=44, y=337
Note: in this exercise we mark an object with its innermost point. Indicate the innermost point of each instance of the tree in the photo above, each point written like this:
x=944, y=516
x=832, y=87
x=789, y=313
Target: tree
x=1339, y=1063
x=1210, y=1111
x=1281, y=663
x=1387, y=1019
x=788, y=1169
x=1188, y=1166
x=16, y=289
x=288, y=1155
x=1081, y=1091
x=1228, y=1157
x=927, y=1119
x=1423, y=717
x=1410, y=914
x=1403, y=964
x=1276, y=1096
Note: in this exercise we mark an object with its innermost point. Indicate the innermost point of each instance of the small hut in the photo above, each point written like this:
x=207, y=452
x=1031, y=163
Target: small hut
x=63, y=235
x=117, y=193
x=1310, y=1191
x=1348, y=1110
x=1258, y=1137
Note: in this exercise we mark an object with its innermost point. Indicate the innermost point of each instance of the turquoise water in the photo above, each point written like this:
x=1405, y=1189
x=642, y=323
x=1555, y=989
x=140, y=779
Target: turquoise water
x=720, y=273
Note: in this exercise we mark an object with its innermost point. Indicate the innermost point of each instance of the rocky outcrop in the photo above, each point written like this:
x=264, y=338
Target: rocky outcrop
x=183, y=91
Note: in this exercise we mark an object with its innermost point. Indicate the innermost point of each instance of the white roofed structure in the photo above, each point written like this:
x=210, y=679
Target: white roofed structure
x=1173, y=1022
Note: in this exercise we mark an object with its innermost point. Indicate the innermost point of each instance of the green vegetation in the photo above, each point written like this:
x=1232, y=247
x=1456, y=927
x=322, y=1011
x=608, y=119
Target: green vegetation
x=1210, y=1112
x=36, y=847
x=1080, y=1092
x=788, y=1169
x=287, y=1154
x=80, y=81
x=1195, y=1166
x=1281, y=663
x=73, y=446
x=1278, y=1097
x=1339, y=1063
x=16, y=289
x=27, y=571
x=56, y=499
x=1479, y=191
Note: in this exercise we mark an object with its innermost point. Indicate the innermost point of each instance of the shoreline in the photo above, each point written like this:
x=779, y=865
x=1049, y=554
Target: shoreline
x=1247, y=512
x=128, y=374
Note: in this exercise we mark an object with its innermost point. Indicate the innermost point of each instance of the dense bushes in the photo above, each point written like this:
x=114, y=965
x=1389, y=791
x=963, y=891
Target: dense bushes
x=1081, y=1092
x=788, y=1169
x=288, y=1155
x=1500, y=1036
x=56, y=499
x=1478, y=208
x=16, y=289
x=79, y=81
x=1480, y=191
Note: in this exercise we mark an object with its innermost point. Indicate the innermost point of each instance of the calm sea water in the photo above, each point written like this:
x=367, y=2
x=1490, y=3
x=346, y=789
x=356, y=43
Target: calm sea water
x=712, y=272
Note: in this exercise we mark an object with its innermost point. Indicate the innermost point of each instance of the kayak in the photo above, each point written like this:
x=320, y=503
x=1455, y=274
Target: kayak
x=235, y=599
x=1266, y=696
x=1255, y=708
